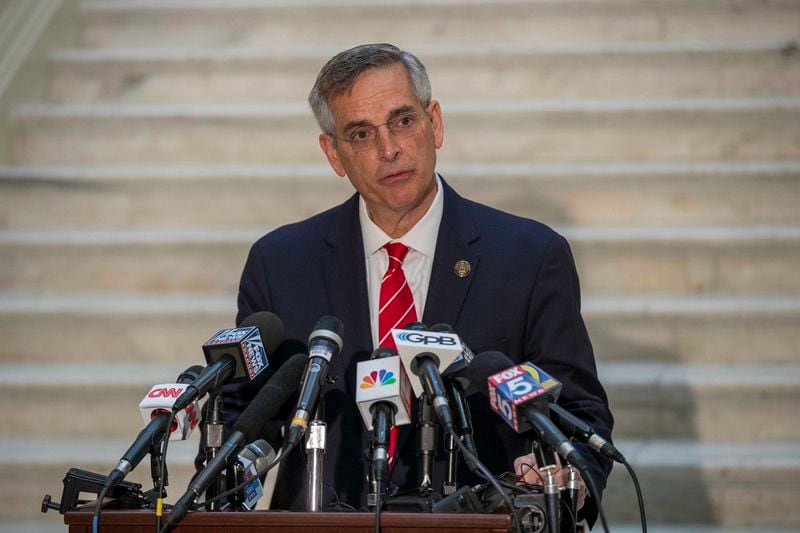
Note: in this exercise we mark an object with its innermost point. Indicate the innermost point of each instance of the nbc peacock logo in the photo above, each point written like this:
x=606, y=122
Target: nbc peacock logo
x=378, y=378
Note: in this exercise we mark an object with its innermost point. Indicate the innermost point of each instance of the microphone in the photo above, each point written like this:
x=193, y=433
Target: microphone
x=457, y=382
x=254, y=458
x=520, y=395
x=426, y=366
x=262, y=408
x=383, y=396
x=161, y=398
x=236, y=354
x=458, y=368
x=323, y=344
x=575, y=428
x=383, y=379
x=445, y=347
x=158, y=408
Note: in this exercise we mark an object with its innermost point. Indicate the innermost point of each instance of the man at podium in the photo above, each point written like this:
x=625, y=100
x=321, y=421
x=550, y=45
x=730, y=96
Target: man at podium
x=407, y=247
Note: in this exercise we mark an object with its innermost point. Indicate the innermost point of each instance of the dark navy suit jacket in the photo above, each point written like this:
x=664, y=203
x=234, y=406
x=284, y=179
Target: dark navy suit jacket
x=521, y=297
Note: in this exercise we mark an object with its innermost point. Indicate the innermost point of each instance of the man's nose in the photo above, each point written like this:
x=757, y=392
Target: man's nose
x=387, y=144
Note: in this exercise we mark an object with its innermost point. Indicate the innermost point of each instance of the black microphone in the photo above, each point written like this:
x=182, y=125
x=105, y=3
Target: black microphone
x=426, y=366
x=238, y=354
x=456, y=380
x=262, y=408
x=382, y=421
x=574, y=427
x=458, y=368
x=150, y=436
x=324, y=343
x=489, y=364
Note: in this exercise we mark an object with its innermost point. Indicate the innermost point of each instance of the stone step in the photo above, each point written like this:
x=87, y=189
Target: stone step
x=715, y=329
x=614, y=70
x=609, y=260
x=528, y=131
x=704, y=402
x=698, y=329
x=722, y=483
x=727, y=193
x=648, y=400
x=745, y=486
x=339, y=24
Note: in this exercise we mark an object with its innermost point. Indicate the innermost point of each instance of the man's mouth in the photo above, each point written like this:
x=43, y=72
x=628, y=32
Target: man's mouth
x=400, y=174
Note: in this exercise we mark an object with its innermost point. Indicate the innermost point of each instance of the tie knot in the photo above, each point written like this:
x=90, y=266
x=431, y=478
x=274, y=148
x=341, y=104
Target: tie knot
x=397, y=253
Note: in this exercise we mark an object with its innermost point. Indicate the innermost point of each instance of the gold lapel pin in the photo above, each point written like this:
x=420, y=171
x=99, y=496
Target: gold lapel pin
x=462, y=268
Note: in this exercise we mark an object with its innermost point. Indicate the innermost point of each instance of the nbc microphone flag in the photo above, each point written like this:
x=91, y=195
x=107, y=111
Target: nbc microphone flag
x=383, y=380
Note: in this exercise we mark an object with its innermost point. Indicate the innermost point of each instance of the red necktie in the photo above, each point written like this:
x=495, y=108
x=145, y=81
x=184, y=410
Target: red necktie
x=395, y=309
x=396, y=303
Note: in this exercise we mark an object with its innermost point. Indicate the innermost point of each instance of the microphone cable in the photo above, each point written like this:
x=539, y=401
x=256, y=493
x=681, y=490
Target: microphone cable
x=378, y=504
x=594, y=493
x=483, y=471
x=638, y=494
x=96, y=515
x=162, y=466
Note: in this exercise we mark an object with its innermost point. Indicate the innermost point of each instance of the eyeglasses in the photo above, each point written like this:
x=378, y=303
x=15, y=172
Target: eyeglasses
x=400, y=127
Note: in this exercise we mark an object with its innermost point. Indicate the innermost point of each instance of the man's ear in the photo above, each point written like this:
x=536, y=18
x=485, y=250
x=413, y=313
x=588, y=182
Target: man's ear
x=435, y=112
x=326, y=142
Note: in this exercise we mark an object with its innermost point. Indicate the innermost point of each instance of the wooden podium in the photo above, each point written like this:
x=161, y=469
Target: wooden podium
x=289, y=522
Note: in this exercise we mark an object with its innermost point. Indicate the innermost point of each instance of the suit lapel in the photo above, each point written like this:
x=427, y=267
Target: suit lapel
x=345, y=281
x=447, y=290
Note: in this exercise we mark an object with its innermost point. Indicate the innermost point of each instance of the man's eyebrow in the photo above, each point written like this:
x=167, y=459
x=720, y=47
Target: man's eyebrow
x=356, y=124
x=402, y=110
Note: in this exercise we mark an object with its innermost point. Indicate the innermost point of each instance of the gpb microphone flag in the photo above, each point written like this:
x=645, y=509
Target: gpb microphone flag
x=411, y=343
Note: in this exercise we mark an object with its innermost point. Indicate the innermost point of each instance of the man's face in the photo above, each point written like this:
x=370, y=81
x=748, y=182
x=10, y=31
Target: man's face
x=395, y=177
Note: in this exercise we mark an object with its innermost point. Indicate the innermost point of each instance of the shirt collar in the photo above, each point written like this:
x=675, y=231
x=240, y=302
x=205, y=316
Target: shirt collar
x=422, y=237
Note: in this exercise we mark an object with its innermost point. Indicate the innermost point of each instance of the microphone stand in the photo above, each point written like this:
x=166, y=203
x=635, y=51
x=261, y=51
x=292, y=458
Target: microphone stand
x=315, y=459
x=214, y=426
x=545, y=458
x=450, y=449
x=569, y=519
x=426, y=444
x=463, y=419
x=155, y=468
x=372, y=483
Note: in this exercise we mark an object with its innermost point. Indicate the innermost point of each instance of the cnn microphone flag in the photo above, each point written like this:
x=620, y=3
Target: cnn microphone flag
x=160, y=399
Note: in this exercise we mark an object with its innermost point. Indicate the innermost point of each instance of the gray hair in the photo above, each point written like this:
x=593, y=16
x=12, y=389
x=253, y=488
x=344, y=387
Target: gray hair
x=340, y=72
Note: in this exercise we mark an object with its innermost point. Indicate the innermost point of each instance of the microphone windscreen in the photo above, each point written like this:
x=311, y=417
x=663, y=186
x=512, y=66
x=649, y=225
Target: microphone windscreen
x=330, y=323
x=190, y=374
x=329, y=328
x=271, y=397
x=383, y=352
x=259, y=452
x=486, y=364
x=270, y=326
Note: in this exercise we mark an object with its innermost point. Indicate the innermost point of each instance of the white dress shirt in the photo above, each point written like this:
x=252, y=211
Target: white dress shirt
x=421, y=241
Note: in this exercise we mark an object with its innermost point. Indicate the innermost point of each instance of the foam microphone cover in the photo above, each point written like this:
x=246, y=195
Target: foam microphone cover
x=486, y=364
x=270, y=326
x=271, y=397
